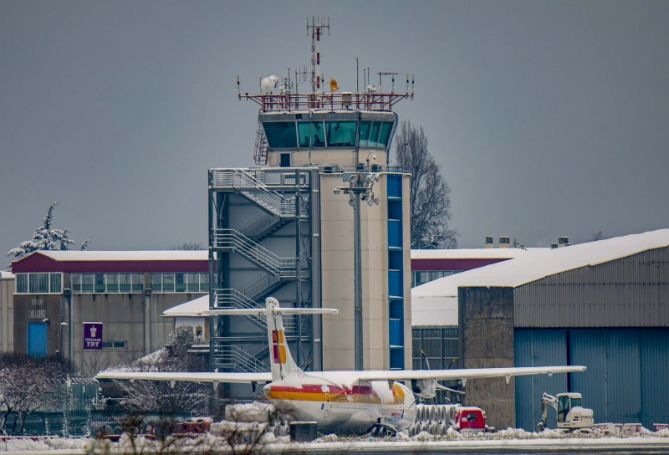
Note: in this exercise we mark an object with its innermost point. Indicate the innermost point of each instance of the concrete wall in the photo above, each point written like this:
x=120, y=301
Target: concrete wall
x=124, y=317
x=338, y=276
x=486, y=341
x=7, y=284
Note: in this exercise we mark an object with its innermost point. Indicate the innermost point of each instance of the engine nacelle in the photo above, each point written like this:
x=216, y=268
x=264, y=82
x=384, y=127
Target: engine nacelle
x=424, y=388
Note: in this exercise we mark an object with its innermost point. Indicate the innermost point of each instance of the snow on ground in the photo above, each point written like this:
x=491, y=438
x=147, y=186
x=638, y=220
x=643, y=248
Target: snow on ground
x=484, y=442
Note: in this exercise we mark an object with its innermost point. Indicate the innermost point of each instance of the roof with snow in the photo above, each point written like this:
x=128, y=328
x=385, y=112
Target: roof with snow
x=435, y=303
x=469, y=253
x=189, y=309
x=6, y=275
x=158, y=255
x=113, y=261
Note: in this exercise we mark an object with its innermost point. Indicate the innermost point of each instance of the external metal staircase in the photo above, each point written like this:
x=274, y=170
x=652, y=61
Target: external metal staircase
x=231, y=357
x=263, y=226
x=233, y=241
x=254, y=188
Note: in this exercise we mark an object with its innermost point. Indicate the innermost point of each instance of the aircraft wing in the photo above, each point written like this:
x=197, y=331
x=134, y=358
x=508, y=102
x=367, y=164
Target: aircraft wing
x=238, y=378
x=468, y=373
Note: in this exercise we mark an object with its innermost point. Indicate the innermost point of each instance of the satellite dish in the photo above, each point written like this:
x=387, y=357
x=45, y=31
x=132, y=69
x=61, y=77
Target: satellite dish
x=267, y=84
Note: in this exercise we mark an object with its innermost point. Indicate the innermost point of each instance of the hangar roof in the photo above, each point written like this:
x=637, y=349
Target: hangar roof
x=160, y=255
x=435, y=303
x=189, y=309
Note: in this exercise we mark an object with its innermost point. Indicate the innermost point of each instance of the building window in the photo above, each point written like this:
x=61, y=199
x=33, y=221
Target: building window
x=107, y=283
x=168, y=283
x=312, y=134
x=115, y=344
x=39, y=283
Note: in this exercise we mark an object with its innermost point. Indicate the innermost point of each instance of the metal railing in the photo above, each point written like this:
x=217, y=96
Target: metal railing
x=368, y=101
x=254, y=188
x=262, y=226
x=232, y=298
x=234, y=241
x=234, y=357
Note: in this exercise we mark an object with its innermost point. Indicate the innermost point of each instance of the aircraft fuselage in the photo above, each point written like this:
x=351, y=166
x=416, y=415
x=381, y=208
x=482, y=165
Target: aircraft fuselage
x=338, y=407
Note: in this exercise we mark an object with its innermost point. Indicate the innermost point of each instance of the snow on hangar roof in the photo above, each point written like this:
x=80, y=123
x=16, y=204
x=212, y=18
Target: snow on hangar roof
x=158, y=255
x=192, y=308
x=436, y=302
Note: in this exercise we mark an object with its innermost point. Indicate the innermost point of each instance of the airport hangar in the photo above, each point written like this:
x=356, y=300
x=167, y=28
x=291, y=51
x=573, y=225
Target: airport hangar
x=602, y=304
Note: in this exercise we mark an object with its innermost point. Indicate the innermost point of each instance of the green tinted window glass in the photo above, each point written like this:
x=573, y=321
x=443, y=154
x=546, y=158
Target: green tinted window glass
x=341, y=134
x=168, y=282
x=180, y=283
x=384, y=134
x=280, y=135
x=374, y=134
x=99, y=283
x=55, y=283
x=312, y=134
x=87, y=282
x=111, y=280
x=124, y=282
x=364, y=133
x=137, y=282
x=157, y=282
x=204, y=282
x=21, y=283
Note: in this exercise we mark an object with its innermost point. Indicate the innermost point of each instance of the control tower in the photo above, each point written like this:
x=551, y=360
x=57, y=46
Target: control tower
x=321, y=220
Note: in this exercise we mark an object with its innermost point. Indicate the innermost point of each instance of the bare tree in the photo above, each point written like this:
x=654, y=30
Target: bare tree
x=430, y=194
x=28, y=384
x=189, y=246
x=147, y=396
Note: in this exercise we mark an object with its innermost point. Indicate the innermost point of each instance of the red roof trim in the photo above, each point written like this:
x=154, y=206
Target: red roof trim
x=451, y=264
x=40, y=263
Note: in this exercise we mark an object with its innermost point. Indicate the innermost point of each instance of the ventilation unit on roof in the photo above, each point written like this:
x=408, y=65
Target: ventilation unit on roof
x=505, y=242
x=489, y=242
x=563, y=241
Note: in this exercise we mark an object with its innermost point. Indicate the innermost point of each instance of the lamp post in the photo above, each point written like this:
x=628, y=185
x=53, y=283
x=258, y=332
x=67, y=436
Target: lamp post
x=360, y=187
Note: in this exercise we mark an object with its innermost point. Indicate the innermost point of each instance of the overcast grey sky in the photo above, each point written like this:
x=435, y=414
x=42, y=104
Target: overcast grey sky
x=547, y=117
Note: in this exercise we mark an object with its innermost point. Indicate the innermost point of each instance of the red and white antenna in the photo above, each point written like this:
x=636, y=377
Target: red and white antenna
x=315, y=26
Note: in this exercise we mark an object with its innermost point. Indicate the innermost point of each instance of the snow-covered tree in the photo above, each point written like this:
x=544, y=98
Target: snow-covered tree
x=85, y=244
x=430, y=194
x=45, y=237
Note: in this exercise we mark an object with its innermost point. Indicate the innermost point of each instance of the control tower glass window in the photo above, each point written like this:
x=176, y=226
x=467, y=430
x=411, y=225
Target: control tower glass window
x=312, y=134
x=280, y=135
x=375, y=134
x=341, y=134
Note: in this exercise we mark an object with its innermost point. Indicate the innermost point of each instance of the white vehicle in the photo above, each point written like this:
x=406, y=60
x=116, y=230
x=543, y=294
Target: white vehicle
x=571, y=415
x=337, y=400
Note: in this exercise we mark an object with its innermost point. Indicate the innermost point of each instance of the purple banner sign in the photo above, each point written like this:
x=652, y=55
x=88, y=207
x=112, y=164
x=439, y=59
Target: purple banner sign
x=92, y=335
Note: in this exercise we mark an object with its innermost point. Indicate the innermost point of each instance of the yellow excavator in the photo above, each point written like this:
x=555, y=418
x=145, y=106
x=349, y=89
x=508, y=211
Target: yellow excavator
x=571, y=415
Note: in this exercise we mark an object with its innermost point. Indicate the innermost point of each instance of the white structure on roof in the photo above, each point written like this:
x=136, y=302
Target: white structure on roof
x=436, y=303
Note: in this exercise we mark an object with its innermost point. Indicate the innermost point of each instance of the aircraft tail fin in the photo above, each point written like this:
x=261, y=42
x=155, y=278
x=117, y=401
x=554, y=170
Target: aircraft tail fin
x=281, y=359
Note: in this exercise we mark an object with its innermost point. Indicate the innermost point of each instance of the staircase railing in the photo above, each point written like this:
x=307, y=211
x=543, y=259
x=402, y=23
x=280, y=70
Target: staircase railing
x=236, y=358
x=234, y=241
x=254, y=189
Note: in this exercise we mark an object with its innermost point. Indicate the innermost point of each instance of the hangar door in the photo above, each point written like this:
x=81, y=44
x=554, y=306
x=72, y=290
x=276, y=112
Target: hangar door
x=628, y=370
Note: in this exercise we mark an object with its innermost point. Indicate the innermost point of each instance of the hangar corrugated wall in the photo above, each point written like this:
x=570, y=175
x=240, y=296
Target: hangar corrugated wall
x=627, y=378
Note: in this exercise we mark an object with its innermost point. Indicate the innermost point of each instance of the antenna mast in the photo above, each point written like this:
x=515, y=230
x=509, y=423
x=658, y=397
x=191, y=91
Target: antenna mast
x=315, y=26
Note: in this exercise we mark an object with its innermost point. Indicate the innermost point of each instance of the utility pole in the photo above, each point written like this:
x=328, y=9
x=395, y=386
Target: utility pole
x=360, y=188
